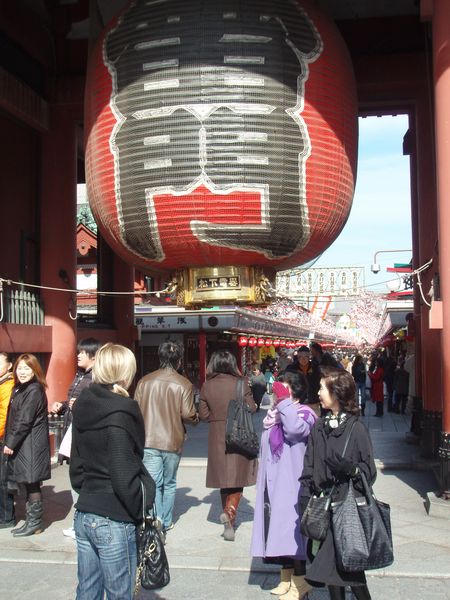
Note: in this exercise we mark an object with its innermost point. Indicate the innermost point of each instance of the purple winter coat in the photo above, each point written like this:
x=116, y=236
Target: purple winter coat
x=283, y=486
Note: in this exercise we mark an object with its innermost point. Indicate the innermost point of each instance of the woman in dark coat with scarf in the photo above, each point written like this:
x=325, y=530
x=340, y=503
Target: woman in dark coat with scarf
x=26, y=439
x=228, y=472
x=324, y=466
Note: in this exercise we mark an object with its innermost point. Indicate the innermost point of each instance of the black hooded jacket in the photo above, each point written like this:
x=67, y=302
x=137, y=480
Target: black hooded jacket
x=106, y=466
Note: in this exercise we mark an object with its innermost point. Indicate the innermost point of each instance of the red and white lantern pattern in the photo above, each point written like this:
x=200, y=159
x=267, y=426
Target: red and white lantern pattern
x=220, y=133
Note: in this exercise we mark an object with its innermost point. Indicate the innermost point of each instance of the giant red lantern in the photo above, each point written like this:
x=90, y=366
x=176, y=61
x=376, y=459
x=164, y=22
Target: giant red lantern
x=221, y=137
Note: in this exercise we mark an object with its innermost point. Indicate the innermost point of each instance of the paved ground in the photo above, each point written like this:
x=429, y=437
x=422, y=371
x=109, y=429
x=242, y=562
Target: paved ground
x=204, y=566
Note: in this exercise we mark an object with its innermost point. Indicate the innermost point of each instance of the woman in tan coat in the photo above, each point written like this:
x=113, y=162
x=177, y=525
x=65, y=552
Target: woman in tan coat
x=228, y=472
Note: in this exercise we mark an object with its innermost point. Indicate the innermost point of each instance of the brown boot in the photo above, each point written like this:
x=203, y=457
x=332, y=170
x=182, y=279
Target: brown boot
x=228, y=517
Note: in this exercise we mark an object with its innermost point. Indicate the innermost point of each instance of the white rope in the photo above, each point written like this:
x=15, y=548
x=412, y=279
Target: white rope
x=87, y=291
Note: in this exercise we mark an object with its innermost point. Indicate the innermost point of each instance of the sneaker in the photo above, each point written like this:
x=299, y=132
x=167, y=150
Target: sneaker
x=7, y=524
x=69, y=533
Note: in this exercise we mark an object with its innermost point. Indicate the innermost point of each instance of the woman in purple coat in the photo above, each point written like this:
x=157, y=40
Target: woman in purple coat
x=276, y=527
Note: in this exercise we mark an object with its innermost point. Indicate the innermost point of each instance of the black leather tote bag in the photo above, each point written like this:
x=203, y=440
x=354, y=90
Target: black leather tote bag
x=362, y=531
x=152, y=565
x=240, y=435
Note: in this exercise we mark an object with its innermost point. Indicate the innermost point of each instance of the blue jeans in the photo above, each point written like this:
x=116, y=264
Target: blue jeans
x=106, y=557
x=163, y=467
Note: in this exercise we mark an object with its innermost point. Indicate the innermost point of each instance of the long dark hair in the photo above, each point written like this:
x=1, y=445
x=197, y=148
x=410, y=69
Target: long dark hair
x=222, y=361
x=358, y=360
x=341, y=386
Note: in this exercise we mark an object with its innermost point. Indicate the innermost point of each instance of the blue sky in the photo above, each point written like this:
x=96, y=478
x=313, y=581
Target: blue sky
x=380, y=218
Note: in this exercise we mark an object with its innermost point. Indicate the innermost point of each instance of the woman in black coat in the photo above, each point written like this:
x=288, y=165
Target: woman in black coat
x=107, y=472
x=325, y=466
x=26, y=438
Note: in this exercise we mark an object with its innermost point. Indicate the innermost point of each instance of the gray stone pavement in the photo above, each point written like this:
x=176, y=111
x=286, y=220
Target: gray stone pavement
x=204, y=566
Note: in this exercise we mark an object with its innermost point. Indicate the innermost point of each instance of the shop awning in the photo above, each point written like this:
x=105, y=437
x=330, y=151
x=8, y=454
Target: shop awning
x=396, y=319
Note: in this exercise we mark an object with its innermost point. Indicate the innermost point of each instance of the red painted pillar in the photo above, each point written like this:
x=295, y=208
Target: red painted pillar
x=427, y=235
x=441, y=63
x=58, y=247
x=412, y=150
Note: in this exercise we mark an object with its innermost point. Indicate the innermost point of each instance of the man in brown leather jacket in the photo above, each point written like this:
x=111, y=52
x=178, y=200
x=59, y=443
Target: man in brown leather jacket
x=166, y=400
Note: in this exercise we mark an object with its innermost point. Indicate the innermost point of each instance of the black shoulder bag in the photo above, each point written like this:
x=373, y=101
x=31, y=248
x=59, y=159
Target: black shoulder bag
x=362, y=531
x=240, y=435
x=315, y=521
x=152, y=565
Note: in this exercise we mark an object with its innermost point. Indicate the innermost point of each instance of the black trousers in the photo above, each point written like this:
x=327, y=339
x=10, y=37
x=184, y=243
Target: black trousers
x=7, y=511
x=380, y=408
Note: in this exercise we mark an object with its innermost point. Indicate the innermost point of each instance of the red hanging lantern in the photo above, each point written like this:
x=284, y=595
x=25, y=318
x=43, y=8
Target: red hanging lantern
x=243, y=341
x=276, y=343
x=268, y=342
x=290, y=344
x=260, y=342
x=282, y=343
x=182, y=136
x=252, y=342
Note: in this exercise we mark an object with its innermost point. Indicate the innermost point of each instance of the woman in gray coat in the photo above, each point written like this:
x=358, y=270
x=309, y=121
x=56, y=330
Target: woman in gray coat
x=26, y=438
x=228, y=472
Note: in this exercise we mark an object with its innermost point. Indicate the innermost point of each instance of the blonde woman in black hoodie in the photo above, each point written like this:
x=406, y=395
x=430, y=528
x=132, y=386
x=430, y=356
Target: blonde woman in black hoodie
x=106, y=471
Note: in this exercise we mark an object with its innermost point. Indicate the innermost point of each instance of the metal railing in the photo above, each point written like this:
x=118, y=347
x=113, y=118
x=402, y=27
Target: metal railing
x=21, y=307
x=56, y=426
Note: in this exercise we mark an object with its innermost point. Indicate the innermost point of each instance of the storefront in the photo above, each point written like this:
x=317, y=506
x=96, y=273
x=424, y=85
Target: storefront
x=248, y=335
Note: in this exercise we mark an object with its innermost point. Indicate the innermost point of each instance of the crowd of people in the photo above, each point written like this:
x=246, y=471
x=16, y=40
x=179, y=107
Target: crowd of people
x=378, y=375
x=117, y=447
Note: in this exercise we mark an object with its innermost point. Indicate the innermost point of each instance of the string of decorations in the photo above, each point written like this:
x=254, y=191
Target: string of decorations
x=364, y=318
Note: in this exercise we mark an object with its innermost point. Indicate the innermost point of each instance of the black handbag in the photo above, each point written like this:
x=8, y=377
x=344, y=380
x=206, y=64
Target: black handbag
x=152, y=565
x=362, y=531
x=240, y=435
x=316, y=518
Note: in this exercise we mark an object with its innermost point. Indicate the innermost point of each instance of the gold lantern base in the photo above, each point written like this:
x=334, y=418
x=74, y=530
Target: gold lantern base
x=208, y=286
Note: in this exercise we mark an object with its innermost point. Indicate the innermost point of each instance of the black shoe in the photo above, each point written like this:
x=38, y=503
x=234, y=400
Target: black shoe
x=7, y=524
